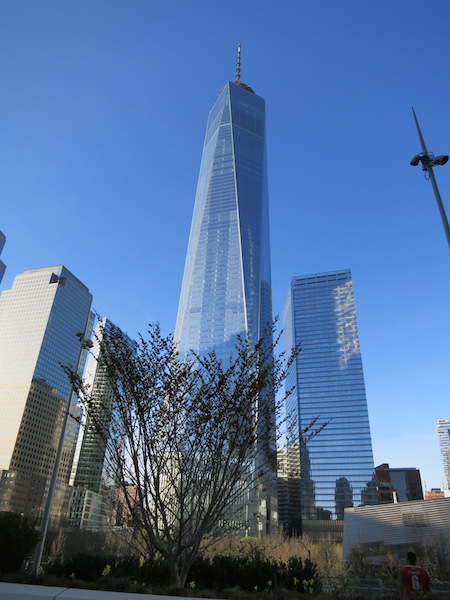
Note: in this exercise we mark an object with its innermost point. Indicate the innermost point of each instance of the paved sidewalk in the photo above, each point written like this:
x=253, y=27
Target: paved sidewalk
x=21, y=591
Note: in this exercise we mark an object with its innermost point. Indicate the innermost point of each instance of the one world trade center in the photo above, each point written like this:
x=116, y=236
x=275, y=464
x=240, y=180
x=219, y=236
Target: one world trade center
x=226, y=289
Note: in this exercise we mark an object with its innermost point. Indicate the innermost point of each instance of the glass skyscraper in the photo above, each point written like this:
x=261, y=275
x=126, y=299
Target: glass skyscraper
x=337, y=469
x=443, y=429
x=95, y=487
x=226, y=289
x=43, y=321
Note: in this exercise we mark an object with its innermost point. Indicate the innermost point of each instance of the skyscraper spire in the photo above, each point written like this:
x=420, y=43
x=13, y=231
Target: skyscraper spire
x=237, y=80
x=238, y=65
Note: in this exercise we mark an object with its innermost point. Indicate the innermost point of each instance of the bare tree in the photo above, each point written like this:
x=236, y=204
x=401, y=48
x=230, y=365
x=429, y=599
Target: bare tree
x=186, y=441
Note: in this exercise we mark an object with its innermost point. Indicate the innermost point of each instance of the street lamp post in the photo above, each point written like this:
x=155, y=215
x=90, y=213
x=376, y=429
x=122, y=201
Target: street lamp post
x=429, y=161
x=51, y=492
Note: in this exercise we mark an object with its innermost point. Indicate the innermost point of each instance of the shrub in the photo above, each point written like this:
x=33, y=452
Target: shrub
x=82, y=566
x=18, y=539
x=253, y=573
x=154, y=571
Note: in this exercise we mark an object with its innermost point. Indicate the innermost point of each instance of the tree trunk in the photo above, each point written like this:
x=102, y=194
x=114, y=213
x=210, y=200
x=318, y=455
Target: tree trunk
x=174, y=571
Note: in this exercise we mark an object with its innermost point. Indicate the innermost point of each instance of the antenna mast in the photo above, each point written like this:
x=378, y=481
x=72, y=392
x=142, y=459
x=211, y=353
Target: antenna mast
x=238, y=65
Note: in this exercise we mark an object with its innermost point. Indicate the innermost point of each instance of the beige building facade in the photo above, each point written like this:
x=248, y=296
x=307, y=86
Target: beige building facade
x=44, y=319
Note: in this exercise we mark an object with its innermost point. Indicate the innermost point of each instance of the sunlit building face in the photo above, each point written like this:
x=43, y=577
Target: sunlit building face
x=43, y=320
x=443, y=429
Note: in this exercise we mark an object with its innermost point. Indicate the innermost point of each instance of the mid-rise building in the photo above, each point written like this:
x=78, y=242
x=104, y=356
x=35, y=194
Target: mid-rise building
x=398, y=485
x=443, y=429
x=44, y=321
x=327, y=382
x=226, y=289
x=2, y=264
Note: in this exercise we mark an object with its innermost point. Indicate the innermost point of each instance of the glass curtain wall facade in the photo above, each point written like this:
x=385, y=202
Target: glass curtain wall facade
x=95, y=488
x=43, y=320
x=226, y=289
x=337, y=469
x=443, y=429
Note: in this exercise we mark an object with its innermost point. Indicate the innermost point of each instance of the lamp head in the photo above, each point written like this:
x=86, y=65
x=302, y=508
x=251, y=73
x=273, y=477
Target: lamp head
x=440, y=160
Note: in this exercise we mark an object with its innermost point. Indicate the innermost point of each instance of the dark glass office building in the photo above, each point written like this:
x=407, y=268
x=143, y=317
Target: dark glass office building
x=337, y=469
x=226, y=289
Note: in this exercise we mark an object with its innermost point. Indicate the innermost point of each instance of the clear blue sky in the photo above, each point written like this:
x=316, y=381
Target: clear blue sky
x=103, y=111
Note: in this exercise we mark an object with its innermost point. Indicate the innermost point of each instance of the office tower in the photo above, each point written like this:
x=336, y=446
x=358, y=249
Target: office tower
x=398, y=484
x=226, y=289
x=2, y=264
x=44, y=320
x=443, y=429
x=95, y=489
x=327, y=381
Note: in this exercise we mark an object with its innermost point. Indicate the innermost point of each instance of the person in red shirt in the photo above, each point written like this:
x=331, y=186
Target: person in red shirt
x=415, y=580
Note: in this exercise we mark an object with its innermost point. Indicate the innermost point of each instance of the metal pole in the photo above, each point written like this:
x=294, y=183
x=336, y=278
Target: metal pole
x=437, y=195
x=422, y=141
x=440, y=204
x=51, y=490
